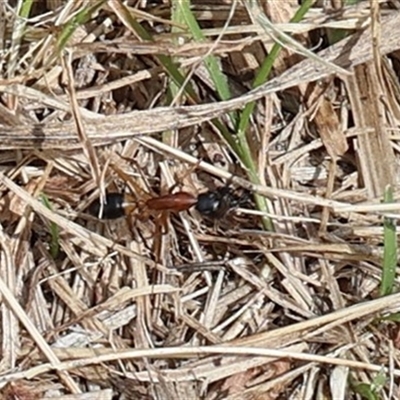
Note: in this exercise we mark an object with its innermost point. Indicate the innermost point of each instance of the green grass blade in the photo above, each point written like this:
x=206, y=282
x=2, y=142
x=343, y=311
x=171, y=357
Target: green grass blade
x=213, y=67
x=286, y=40
x=390, y=250
x=371, y=391
x=80, y=18
x=168, y=64
x=212, y=64
x=23, y=11
x=392, y=317
x=266, y=68
x=365, y=391
x=26, y=8
x=183, y=16
x=244, y=121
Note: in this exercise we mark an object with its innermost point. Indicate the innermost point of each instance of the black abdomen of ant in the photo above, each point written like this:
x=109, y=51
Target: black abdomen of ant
x=114, y=207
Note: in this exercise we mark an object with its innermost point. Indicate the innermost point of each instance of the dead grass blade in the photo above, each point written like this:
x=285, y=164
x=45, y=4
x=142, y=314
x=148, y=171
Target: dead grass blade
x=113, y=128
x=155, y=99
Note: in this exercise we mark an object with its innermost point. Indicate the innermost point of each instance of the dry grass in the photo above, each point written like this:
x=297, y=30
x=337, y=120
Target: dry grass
x=207, y=309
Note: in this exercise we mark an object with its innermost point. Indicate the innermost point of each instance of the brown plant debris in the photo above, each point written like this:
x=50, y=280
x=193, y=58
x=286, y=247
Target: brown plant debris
x=118, y=97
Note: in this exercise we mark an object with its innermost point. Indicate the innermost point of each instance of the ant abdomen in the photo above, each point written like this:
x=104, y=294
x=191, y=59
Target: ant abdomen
x=114, y=206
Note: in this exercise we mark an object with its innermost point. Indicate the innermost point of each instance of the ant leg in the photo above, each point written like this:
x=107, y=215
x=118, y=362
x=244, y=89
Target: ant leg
x=130, y=161
x=178, y=183
x=162, y=223
x=153, y=240
x=129, y=179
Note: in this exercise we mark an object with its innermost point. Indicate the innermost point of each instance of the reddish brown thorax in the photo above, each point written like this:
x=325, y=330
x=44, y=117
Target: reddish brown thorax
x=175, y=202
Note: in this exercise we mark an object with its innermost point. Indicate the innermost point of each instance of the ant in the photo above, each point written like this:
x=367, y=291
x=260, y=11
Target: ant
x=214, y=203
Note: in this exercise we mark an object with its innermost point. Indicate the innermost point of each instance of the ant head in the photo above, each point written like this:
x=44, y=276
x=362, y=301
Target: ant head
x=217, y=203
